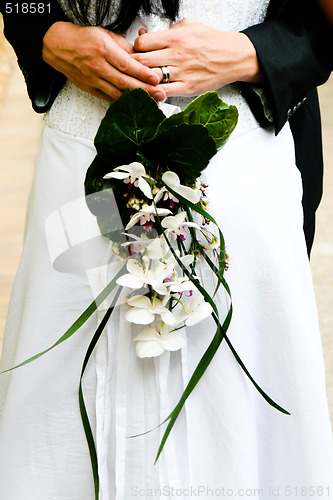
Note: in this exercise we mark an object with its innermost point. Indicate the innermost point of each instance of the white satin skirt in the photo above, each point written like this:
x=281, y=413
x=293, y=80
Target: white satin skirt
x=227, y=441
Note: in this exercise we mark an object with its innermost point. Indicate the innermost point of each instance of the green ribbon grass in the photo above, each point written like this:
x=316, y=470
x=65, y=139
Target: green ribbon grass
x=71, y=330
x=77, y=324
x=220, y=334
x=83, y=410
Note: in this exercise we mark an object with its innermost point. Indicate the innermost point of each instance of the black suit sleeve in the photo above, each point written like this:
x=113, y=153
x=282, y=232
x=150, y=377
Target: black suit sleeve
x=293, y=50
x=25, y=30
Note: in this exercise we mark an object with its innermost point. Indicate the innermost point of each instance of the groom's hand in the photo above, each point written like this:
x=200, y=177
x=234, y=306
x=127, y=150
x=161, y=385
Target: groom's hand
x=97, y=61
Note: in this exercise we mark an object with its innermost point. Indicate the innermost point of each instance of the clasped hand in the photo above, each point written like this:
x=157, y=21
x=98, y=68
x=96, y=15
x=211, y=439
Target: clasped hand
x=97, y=61
x=104, y=64
x=199, y=58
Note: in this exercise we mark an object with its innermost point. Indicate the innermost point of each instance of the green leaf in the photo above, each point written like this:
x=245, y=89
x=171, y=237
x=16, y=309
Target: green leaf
x=208, y=110
x=220, y=335
x=79, y=322
x=83, y=410
x=130, y=120
x=94, y=181
x=185, y=149
x=135, y=128
x=105, y=199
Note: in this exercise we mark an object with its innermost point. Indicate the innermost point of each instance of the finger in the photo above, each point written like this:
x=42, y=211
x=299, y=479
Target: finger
x=157, y=40
x=152, y=41
x=173, y=89
x=157, y=94
x=173, y=74
x=157, y=58
x=107, y=78
x=97, y=92
x=122, y=42
x=108, y=91
x=104, y=88
x=123, y=62
x=159, y=73
x=120, y=81
x=101, y=95
x=142, y=31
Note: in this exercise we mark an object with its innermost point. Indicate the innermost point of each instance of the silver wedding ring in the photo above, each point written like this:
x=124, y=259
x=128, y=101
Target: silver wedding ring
x=166, y=74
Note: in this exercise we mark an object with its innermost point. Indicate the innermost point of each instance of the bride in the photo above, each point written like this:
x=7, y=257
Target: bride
x=227, y=441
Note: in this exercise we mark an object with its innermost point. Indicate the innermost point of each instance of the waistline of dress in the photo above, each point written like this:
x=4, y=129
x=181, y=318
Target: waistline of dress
x=78, y=113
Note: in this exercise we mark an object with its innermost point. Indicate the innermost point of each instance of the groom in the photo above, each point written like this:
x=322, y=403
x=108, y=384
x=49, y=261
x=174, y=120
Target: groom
x=291, y=47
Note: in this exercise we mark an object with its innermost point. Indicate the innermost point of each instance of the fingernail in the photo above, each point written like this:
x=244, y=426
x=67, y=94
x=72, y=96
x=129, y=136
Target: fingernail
x=159, y=96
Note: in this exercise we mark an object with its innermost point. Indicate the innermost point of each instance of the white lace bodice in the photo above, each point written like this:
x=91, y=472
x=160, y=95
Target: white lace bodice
x=226, y=15
x=79, y=113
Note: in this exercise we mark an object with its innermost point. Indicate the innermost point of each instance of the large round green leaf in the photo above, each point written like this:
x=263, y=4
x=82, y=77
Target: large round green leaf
x=130, y=120
x=208, y=110
x=185, y=149
x=105, y=199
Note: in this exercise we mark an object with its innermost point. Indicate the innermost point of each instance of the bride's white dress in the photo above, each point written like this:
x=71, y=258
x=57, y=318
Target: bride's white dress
x=228, y=441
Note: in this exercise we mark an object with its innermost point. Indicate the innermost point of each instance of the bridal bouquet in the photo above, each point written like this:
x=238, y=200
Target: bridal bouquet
x=148, y=168
x=144, y=188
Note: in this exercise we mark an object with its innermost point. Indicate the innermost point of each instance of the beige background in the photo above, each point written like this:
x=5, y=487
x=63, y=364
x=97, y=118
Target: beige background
x=19, y=131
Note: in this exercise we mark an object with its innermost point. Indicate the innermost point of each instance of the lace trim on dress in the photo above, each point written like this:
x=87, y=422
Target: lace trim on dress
x=76, y=112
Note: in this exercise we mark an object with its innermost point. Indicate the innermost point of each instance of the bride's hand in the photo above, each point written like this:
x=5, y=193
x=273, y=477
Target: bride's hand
x=97, y=61
x=199, y=58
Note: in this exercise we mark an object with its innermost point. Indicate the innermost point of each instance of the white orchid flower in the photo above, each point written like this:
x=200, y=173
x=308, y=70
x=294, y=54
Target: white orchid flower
x=138, y=244
x=153, y=342
x=187, y=260
x=172, y=181
x=176, y=224
x=143, y=310
x=192, y=311
x=171, y=197
x=159, y=194
x=134, y=173
x=164, y=193
x=154, y=248
x=196, y=310
x=158, y=249
x=180, y=285
x=137, y=277
x=146, y=214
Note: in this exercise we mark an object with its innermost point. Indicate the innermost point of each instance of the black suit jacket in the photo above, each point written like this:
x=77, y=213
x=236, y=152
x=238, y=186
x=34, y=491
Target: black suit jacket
x=25, y=32
x=292, y=49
